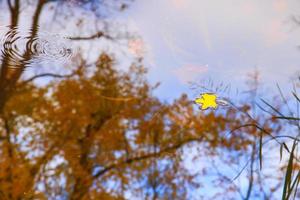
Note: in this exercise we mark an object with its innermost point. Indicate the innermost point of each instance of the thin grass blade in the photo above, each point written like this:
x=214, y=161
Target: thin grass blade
x=287, y=182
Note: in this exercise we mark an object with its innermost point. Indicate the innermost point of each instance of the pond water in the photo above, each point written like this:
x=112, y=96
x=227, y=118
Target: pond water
x=192, y=41
x=82, y=115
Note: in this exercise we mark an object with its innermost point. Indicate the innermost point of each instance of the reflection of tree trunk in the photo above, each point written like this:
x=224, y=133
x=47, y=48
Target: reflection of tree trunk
x=34, y=28
x=7, y=83
x=9, y=176
x=14, y=11
x=84, y=182
x=81, y=188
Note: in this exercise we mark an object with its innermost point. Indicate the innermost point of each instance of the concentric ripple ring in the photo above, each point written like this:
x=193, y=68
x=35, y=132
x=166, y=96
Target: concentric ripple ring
x=19, y=48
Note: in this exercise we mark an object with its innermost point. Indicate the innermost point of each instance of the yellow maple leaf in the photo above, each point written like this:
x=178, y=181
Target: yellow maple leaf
x=207, y=100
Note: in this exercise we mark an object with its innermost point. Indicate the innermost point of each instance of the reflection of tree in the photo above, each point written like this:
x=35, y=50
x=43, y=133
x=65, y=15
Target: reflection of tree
x=11, y=74
x=99, y=133
x=108, y=129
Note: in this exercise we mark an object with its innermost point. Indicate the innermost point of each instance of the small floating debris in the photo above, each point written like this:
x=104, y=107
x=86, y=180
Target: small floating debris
x=210, y=100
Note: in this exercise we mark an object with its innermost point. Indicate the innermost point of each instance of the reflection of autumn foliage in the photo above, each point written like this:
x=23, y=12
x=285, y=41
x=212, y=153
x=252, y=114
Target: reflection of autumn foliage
x=91, y=130
x=100, y=133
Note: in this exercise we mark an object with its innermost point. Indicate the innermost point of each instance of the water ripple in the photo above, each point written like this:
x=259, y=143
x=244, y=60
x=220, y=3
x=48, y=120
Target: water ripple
x=21, y=48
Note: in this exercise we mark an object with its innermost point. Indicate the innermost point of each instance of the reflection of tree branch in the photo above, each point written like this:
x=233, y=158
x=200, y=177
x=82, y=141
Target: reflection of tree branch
x=47, y=75
x=97, y=35
x=43, y=160
x=10, y=5
x=257, y=127
x=226, y=178
x=36, y=17
x=117, y=98
x=35, y=170
x=144, y=157
x=34, y=29
x=15, y=11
